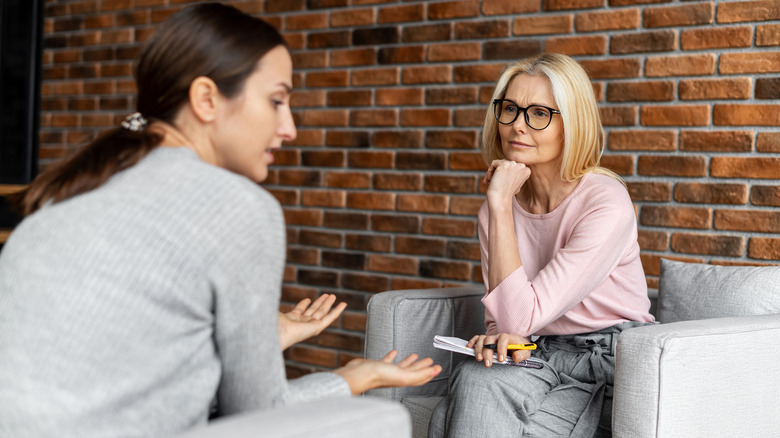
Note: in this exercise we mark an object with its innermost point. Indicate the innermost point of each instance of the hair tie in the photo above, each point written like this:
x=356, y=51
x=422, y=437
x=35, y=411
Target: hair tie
x=134, y=122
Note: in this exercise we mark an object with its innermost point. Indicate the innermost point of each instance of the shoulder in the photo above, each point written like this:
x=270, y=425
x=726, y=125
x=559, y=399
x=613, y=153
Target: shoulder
x=601, y=191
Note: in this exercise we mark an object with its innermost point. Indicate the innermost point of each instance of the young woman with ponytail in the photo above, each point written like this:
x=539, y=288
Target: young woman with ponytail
x=140, y=294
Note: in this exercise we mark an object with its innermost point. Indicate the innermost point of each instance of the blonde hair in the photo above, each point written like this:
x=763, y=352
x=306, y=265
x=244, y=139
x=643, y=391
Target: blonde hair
x=583, y=135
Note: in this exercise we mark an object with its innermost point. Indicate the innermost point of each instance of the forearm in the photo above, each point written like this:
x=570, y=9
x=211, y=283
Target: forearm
x=503, y=253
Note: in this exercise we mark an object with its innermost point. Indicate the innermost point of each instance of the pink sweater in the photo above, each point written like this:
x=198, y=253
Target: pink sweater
x=581, y=270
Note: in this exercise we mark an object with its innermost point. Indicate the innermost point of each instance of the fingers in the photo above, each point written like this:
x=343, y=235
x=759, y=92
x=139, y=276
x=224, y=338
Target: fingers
x=521, y=355
x=390, y=357
x=301, y=306
x=321, y=305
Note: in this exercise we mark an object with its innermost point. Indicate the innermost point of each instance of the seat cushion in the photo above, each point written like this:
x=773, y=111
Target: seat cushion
x=421, y=408
x=689, y=291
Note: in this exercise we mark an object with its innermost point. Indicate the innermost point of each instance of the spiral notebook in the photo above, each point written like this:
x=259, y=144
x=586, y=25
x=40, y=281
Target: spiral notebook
x=458, y=345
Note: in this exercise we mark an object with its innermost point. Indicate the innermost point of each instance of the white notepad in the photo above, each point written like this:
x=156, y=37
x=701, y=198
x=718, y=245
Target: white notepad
x=459, y=345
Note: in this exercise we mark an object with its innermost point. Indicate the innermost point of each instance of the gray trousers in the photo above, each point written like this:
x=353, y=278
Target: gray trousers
x=570, y=396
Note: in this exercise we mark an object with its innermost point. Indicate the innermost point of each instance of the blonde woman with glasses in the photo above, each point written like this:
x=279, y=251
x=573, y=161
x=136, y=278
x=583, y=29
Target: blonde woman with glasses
x=560, y=261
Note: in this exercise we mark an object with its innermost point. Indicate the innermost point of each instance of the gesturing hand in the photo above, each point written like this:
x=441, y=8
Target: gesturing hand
x=305, y=320
x=365, y=374
x=501, y=340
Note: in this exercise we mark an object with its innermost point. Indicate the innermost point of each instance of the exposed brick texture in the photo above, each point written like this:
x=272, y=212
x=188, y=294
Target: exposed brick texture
x=381, y=188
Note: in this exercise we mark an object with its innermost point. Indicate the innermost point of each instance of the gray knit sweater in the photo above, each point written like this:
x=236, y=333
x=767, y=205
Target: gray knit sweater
x=131, y=309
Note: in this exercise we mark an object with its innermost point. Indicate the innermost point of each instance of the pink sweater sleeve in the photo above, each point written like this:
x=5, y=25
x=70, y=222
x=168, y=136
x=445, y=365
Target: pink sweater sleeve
x=590, y=273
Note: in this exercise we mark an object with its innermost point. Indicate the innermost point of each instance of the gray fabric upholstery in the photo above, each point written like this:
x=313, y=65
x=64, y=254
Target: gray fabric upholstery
x=421, y=408
x=689, y=291
x=713, y=377
x=327, y=418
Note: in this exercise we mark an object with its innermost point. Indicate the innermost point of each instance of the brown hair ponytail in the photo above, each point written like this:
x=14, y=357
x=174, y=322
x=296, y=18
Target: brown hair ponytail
x=207, y=39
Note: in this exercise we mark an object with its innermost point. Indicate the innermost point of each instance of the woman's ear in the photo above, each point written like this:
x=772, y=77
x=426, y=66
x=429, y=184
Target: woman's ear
x=204, y=96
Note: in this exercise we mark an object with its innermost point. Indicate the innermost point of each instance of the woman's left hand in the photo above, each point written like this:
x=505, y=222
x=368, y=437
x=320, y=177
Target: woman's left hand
x=501, y=340
x=308, y=319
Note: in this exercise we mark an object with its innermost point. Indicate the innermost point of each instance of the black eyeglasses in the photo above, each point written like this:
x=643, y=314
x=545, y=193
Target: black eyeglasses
x=537, y=117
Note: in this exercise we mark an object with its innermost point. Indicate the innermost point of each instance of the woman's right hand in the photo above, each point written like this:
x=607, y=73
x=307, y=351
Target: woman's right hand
x=365, y=374
x=501, y=340
x=505, y=178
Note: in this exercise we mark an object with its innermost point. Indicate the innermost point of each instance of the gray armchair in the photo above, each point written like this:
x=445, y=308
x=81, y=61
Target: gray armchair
x=710, y=368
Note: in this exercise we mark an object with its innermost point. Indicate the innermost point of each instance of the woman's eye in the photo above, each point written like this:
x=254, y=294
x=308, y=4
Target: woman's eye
x=276, y=102
x=510, y=109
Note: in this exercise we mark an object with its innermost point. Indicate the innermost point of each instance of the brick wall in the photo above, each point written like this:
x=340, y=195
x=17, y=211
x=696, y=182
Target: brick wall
x=381, y=187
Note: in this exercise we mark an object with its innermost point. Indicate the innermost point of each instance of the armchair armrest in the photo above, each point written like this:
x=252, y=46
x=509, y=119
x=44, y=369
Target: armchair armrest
x=407, y=321
x=713, y=377
x=356, y=417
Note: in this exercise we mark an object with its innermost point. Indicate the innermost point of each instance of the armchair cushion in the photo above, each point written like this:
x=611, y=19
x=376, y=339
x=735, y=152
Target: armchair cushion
x=689, y=291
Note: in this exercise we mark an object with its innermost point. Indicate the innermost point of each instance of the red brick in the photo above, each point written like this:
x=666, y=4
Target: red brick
x=427, y=32
x=768, y=35
x=467, y=161
x=504, y=7
x=753, y=62
x=392, y=264
x=712, y=244
x=423, y=203
x=481, y=30
x=349, y=98
x=425, y=117
x=323, y=158
x=450, y=227
x=465, y=206
x=718, y=38
x=369, y=242
x=478, y=73
x=689, y=65
x=450, y=183
x=375, y=35
x=638, y=91
x=307, y=217
x=371, y=159
x=677, y=115
x=420, y=246
x=653, y=240
x=608, y=20
x=323, y=198
x=721, y=141
x=349, y=139
x=300, y=177
x=768, y=142
x=765, y=195
x=313, y=356
x=404, y=13
x=711, y=193
x=451, y=95
x=328, y=79
x=768, y=88
x=427, y=74
x=307, y=98
x=367, y=283
x=306, y=21
x=401, y=55
x=303, y=256
x=745, y=167
x=546, y=24
x=320, y=238
x=578, y=45
x=678, y=217
x=400, y=283
x=612, y=68
x=659, y=165
x=453, y=9
x=656, y=41
x=737, y=114
x=352, y=17
x=465, y=250
x=343, y=260
x=398, y=181
x=352, y=221
x=642, y=140
x=735, y=12
x=469, y=117
x=351, y=180
x=306, y=137
x=399, y=96
x=619, y=115
x=650, y=191
x=407, y=138
x=371, y=200
x=451, y=139
x=512, y=49
x=454, y=52
x=351, y=57
x=445, y=269
x=555, y=5
x=687, y=15
x=379, y=76
x=748, y=220
x=372, y=117
x=310, y=60
x=325, y=118
x=694, y=89
x=340, y=341
x=765, y=248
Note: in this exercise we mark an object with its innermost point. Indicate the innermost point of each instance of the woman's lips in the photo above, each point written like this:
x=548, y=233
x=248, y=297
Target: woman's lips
x=519, y=145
